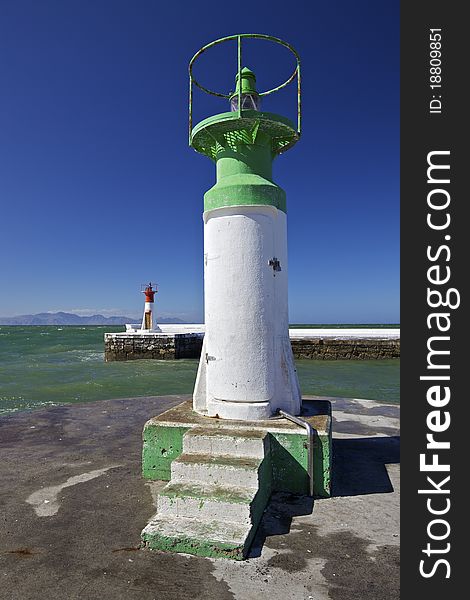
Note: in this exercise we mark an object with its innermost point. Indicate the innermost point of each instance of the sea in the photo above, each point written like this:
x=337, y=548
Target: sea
x=50, y=365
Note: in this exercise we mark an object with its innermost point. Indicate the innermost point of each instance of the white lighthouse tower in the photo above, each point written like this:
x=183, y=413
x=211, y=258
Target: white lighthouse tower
x=246, y=370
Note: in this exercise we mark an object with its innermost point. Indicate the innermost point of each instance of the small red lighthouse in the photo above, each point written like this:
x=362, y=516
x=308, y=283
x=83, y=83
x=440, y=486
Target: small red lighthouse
x=147, y=320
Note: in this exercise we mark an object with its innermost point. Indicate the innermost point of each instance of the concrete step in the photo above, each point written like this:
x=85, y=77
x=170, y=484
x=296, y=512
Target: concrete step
x=193, y=536
x=220, y=441
x=214, y=500
x=218, y=470
x=227, y=504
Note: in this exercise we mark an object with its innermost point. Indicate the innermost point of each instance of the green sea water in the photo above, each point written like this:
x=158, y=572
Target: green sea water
x=43, y=366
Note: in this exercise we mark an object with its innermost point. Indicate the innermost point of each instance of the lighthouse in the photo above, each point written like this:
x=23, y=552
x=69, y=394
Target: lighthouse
x=221, y=455
x=246, y=369
x=148, y=320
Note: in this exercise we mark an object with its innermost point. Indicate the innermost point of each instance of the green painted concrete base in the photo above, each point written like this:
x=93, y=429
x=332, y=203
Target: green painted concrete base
x=222, y=474
x=163, y=442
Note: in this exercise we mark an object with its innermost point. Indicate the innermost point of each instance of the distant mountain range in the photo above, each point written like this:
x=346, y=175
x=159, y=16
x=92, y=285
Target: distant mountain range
x=63, y=318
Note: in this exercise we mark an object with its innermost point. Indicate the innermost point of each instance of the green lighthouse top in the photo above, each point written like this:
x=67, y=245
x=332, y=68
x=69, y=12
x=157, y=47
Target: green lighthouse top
x=247, y=91
x=248, y=81
x=245, y=123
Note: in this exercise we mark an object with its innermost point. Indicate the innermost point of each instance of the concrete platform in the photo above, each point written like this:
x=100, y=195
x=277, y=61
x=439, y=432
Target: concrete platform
x=74, y=504
x=163, y=439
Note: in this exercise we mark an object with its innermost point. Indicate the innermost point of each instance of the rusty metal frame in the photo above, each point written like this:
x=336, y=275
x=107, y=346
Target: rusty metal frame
x=239, y=37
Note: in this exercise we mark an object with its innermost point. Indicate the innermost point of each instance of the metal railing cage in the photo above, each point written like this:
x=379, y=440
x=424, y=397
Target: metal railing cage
x=144, y=286
x=239, y=37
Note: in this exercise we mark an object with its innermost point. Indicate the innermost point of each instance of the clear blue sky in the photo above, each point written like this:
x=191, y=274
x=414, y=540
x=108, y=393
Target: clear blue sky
x=99, y=191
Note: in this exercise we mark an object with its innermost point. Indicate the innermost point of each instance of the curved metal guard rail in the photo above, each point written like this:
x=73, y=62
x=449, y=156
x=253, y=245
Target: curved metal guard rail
x=239, y=37
x=311, y=432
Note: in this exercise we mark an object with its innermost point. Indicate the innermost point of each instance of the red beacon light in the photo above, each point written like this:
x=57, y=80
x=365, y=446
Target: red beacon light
x=147, y=289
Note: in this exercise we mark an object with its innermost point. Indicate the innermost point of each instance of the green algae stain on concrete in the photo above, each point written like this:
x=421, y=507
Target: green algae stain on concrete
x=199, y=547
x=161, y=446
x=202, y=493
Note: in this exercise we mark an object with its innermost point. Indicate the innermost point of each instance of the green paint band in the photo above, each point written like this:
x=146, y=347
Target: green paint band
x=244, y=178
x=244, y=148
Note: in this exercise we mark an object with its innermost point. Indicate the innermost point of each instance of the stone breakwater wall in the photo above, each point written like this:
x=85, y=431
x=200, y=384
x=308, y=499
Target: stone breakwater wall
x=167, y=346
x=345, y=349
x=125, y=346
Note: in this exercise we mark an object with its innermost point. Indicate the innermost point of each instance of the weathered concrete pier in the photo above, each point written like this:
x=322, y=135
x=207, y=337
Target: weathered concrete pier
x=185, y=341
x=74, y=503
